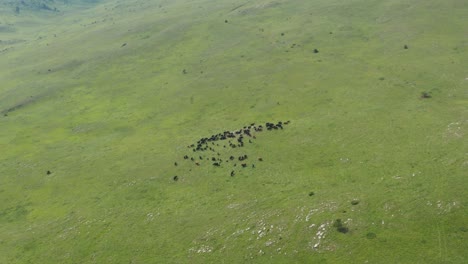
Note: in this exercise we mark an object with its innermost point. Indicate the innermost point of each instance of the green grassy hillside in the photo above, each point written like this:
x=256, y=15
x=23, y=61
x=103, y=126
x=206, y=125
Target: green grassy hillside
x=99, y=99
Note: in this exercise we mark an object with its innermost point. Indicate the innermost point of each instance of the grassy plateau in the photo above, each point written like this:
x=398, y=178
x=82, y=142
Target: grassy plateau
x=100, y=99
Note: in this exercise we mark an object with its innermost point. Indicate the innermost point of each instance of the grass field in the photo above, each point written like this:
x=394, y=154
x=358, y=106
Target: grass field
x=107, y=95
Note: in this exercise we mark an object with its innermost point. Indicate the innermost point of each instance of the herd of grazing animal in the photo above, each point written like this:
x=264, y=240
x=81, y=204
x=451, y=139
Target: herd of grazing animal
x=204, y=150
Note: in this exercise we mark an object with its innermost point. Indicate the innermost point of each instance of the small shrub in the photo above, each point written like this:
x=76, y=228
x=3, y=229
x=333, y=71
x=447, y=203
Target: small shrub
x=343, y=229
x=338, y=224
x=425, y=95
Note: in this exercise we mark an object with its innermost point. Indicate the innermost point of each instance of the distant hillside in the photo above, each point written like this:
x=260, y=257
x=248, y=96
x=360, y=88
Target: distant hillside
x=18, y=6
x=22, y=20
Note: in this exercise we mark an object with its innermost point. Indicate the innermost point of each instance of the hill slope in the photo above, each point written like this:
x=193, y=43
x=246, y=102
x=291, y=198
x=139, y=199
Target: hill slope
x=99, y=103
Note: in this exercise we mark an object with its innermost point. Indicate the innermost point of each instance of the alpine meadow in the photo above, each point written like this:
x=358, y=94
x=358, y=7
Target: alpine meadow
x=233, y=131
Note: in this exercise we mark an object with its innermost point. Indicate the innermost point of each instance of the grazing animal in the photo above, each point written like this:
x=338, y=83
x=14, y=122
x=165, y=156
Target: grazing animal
x=244, y=165
x=232, y=173
x=175, y=164
x=175, y=178
x=216, y=164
